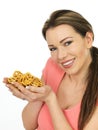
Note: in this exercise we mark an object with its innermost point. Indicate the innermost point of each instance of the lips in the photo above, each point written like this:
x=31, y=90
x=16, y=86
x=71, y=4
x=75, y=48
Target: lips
x=68, y=63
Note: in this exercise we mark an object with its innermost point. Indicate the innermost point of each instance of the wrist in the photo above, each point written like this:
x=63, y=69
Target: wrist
x=51, y=99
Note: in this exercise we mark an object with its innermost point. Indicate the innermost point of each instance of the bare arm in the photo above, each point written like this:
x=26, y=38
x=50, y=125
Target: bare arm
x=57, y=115
x=36, y=96
x=31, y=110
x=46, y=94
x=30, y=115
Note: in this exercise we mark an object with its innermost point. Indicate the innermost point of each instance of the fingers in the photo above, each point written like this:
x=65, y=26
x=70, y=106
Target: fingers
x=39, y=93
x=19, y=91
x=5, y=80
x=18, y=94
x=36, y=89
x=29, y=93
x=18, y=86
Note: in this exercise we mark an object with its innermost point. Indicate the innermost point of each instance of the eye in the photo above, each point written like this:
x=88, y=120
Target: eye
x=67, y=43
x=52, y=49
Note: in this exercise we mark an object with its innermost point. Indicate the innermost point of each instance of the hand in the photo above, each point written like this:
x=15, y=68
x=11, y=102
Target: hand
x=18, y=90
x=44, y=93
x=30, y=93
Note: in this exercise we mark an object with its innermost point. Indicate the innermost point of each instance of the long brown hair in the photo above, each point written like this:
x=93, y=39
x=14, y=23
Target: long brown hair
x=82, y=26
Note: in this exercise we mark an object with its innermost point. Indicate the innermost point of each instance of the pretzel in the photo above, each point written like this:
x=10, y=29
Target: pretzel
x=26, y=79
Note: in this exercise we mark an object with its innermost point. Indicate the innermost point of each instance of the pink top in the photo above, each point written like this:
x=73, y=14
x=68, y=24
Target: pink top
x=53, y=75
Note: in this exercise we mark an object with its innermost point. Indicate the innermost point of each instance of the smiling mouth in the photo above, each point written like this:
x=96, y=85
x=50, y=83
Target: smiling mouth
x=68, y=63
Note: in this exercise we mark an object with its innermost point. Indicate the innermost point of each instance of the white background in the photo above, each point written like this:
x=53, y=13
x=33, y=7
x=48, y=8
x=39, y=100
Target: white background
x=23, y=48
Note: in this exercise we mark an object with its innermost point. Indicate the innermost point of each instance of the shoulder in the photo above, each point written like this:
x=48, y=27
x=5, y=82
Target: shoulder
x=52, y=71
x=50, y=62
x=52, y=67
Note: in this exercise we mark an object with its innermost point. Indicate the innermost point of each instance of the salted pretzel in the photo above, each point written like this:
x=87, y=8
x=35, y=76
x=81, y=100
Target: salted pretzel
x=26, y=79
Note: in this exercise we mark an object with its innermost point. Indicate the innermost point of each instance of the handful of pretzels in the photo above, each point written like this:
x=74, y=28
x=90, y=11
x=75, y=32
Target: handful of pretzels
x=26, y=79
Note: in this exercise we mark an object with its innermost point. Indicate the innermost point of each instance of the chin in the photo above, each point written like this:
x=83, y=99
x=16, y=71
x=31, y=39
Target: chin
x=70, y=71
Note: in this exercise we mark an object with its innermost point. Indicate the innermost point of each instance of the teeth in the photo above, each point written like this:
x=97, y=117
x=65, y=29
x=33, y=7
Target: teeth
x=67, y=63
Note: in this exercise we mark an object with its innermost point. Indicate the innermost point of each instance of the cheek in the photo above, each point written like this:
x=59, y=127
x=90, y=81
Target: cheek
x=83, y=52
x=78, y=50
x=54, y=56
x=82, y=55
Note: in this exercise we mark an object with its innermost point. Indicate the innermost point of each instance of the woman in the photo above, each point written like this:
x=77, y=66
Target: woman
x=69, y=98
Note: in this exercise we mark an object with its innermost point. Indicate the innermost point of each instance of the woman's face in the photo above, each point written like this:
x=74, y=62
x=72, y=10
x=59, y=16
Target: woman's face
x=68, y=48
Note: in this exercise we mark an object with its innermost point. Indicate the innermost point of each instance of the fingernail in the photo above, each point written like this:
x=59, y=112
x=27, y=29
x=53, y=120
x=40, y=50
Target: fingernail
x=27, y=87
x=7, y=85
x=12, y=82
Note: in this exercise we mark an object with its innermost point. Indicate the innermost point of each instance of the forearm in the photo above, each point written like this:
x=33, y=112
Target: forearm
x=30, y=115
x=57, y=115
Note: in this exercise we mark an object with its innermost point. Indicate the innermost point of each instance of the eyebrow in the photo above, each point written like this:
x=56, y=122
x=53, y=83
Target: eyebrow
x=64, y=39
x=50, y=45
x=60, y=41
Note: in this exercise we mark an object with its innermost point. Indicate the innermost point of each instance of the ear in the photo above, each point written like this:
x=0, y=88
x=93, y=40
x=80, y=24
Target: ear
x=89, y=39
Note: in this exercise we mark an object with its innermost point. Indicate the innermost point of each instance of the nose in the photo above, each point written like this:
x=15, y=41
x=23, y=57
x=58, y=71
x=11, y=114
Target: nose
x=62, y=53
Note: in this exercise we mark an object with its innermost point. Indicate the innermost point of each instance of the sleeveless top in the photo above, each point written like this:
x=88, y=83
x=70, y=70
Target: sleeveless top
x=53, y=75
